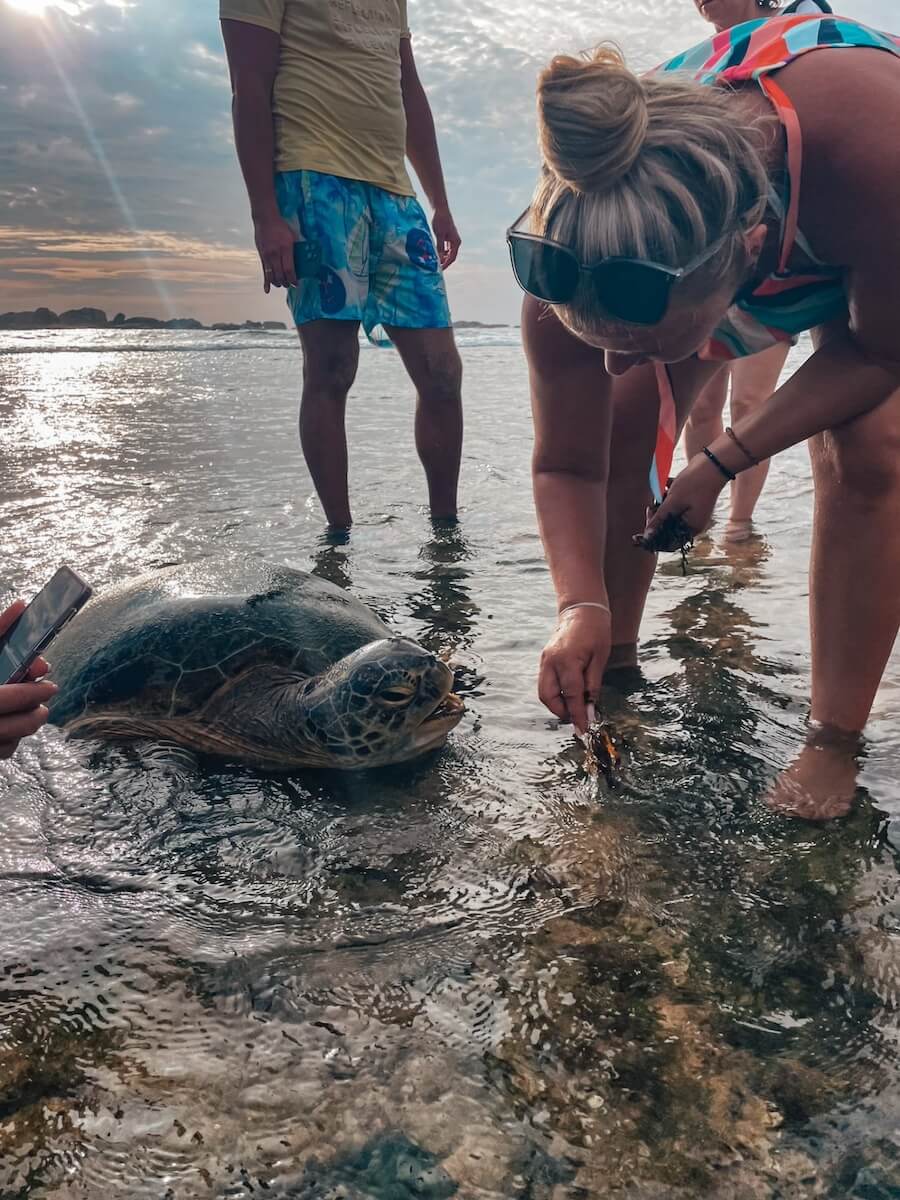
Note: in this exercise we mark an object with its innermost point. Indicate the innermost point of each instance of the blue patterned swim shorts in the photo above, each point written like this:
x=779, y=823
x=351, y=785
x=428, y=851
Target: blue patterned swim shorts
x=367, y=255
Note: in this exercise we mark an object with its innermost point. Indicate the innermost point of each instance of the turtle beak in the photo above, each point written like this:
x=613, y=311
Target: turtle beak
x=450, y=711
x=447, y=712
x=435, y=729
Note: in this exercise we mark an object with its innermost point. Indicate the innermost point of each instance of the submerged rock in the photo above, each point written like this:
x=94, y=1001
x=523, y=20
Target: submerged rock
x=388, y=1168
x=49, y=1056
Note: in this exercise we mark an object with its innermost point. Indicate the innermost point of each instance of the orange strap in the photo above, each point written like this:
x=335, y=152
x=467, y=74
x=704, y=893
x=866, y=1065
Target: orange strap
x=666, y=434
x=791, y=122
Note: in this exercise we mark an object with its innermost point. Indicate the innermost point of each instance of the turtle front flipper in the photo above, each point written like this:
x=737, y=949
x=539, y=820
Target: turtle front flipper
x=196, y=736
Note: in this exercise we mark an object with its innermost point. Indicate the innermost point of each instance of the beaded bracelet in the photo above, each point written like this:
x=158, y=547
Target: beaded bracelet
x=729, y=475
x=740, y=445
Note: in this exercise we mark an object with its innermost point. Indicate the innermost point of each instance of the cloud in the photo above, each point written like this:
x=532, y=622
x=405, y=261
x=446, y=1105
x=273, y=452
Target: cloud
x=115, y=124
x=120, y=270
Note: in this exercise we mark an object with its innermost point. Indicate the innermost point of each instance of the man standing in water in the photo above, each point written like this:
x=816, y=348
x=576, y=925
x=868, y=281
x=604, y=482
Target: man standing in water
x=327, y=104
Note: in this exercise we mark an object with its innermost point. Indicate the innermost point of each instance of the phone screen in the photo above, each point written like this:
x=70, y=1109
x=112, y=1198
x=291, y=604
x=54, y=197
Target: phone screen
x=54, y=604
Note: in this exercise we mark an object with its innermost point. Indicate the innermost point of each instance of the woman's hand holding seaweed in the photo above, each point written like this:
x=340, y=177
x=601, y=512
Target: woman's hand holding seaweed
x=687, y=507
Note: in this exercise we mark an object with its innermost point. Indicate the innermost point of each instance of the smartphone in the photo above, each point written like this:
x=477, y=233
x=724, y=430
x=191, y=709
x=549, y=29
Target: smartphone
x=54, y=605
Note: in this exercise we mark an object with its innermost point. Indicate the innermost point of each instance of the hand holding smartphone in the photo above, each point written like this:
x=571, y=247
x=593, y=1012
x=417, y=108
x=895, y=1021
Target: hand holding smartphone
x=32, y=632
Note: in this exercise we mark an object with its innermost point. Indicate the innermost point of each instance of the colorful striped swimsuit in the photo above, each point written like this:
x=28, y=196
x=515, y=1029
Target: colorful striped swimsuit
x=789, y=301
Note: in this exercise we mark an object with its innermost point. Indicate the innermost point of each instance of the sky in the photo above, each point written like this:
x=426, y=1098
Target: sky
x=119, y=186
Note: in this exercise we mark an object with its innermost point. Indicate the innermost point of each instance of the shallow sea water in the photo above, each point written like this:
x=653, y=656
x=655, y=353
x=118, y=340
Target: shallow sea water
x=480, y=975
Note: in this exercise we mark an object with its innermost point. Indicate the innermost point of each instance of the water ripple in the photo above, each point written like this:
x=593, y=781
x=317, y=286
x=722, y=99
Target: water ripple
x=484, y=968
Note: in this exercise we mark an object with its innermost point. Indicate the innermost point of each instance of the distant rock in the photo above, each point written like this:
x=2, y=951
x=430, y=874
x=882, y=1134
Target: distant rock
x=84, y=318
x=143, y=323
x=476, y=325
x=41, y=318
x=95, y=318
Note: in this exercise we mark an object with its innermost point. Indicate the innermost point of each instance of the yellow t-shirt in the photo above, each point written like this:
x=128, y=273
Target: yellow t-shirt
x=338, y=103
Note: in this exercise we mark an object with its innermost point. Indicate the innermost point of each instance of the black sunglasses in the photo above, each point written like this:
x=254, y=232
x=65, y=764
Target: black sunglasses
x=628, y=289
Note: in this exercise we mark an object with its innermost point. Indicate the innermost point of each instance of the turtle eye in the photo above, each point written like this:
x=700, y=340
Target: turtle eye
x=398, y=695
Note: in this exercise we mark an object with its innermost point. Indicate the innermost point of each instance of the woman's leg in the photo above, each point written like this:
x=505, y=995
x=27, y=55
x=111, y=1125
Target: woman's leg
x=629, y=570
x=855, y=564
x=704, y=424
x=854, y=604
x=753, y=380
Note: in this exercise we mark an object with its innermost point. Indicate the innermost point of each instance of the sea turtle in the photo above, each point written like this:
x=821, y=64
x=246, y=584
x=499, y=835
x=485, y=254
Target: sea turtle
x=242, y=659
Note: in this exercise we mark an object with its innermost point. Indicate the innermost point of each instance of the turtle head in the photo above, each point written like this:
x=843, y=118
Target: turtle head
x=388, y=702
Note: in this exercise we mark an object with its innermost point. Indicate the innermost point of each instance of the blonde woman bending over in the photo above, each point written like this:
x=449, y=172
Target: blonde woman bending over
x=735, y=197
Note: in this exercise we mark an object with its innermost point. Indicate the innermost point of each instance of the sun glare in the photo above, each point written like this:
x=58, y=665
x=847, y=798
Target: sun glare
x=37, y=8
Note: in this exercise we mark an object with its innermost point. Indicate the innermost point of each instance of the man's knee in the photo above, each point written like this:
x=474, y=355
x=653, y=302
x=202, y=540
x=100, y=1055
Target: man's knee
x=332, y=375
x=330, y=361
x=439, y=376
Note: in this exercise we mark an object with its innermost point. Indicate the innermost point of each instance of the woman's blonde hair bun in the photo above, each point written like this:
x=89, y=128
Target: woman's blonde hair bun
x=593, y=116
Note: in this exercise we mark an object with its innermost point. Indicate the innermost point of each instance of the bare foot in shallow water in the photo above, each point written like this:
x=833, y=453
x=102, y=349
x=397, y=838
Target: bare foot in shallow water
x=820, y=784
x=738, y=531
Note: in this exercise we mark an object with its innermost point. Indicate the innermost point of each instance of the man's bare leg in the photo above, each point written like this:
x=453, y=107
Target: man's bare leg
x=330, y=359
x=434, y=366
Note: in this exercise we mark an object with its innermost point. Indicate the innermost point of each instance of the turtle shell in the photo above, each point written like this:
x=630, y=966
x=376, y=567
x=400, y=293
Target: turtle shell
x=162, y=644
